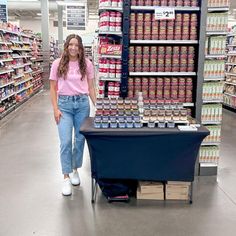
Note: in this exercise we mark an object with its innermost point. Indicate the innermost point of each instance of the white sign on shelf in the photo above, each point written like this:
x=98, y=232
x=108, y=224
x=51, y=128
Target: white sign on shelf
x=164, y=13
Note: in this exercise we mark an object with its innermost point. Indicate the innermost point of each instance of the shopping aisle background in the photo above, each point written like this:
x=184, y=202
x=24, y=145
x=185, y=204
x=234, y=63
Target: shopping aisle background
x=30, y=182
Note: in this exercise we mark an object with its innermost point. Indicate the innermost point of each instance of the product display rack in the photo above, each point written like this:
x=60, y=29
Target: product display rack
x=110, y=52
x=16, y=80
x=230, y=81
x=88, y=51
x=212, y=86
x=37, y=60
x=206, y=84
x=54, y=50
x=135, y=9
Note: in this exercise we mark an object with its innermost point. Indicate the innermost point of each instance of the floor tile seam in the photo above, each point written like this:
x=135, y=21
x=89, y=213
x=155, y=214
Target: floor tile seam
x=226, y=194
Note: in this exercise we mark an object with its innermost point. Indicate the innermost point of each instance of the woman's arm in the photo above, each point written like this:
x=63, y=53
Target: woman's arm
x=53, y=94
x=92, y=93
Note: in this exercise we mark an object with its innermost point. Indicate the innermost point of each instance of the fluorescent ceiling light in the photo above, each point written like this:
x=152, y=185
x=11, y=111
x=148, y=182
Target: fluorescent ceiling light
x=64, y=3
x=22, y=0
x=40, y=14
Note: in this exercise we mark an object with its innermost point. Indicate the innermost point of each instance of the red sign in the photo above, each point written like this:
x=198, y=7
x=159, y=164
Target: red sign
x=110, y=49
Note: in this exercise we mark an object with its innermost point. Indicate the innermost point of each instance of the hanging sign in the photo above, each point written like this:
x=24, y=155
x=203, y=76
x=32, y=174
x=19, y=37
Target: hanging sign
x=76, y=16
x=3, y=10
x=164, y=13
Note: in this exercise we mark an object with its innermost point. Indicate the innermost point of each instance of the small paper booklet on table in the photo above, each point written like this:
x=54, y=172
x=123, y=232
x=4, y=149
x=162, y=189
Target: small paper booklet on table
x=187, y=127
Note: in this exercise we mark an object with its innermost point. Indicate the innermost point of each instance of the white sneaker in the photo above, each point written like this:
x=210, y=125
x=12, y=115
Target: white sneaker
x=74, y=178
x=66, y=187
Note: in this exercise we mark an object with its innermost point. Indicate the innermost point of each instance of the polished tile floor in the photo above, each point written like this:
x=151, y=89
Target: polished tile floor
x=31, y=202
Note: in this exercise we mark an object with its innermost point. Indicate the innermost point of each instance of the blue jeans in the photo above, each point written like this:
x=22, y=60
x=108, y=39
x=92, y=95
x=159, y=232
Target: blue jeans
x=74, y=111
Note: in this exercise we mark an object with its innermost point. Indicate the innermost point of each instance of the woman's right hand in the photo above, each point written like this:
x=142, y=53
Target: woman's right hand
x=57, y=115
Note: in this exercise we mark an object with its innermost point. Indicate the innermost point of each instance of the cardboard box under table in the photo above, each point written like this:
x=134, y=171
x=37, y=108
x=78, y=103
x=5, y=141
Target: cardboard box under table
x=150, y=190
x=142, y=154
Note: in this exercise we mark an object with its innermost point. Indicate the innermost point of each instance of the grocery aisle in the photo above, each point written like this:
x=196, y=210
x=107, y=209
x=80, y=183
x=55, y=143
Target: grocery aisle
x=31, y=202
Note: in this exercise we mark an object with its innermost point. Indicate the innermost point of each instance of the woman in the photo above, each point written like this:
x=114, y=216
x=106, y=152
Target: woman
x=71, y=82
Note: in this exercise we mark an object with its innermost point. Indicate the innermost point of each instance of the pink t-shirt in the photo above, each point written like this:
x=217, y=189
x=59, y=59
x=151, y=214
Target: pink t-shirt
x=72, y=85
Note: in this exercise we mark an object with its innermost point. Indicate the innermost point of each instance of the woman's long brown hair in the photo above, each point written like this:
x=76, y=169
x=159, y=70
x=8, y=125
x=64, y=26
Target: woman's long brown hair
x=64, y=62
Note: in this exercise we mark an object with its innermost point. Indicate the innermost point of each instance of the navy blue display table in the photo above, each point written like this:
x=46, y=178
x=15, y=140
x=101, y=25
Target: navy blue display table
x=142, y=154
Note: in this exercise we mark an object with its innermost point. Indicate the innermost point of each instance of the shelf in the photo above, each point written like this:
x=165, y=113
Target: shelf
x=4, y=85
x=23, y=81
x=111, y=32
x=231, y=54
x=188, y=104
x=214, y=79
x=6, y=71
x=5, y=51
x=6, y=112
x=28, y=71
x=19, y=66
x=231, y=45
x=162, y=73
x=216, y=33
x=23, y=89
x=17, y=42
x=38, y=88
x=230, y=83
x=208, y=164
x=212, y=101
x=210, y=144
x=36, y=59
x=18, y=76
x=26, y=36
x=163, y=41
x=8, y=96
x=18, y=57
x=5, y=43
x=213, y=9
x=27, y=43
x=211, y=122
x=225, y=104
x=107, y=8
x=109, y=79
x=233, y=74
x=231, y=95
x=231, y=34
x=34, y=81
x=215, y=56
x=5, y=60
x=230, y=64
x=152, y=8
x=21, y=49
x=37, y=71
x=10, y=32
x=111, y=56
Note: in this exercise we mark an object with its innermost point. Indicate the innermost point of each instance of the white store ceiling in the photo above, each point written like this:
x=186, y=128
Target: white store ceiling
x=31, y=9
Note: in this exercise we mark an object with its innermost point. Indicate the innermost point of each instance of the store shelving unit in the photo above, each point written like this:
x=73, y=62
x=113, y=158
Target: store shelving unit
x=54, y=50
x=88, y=51
x=37, y=60
x=108, y=78
x=230, y=81
x=211, y=97
x=207, y=75
x=161, y=42
x=16, y=79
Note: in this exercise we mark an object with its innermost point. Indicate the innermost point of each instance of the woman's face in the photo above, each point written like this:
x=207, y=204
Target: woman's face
x=73, y=48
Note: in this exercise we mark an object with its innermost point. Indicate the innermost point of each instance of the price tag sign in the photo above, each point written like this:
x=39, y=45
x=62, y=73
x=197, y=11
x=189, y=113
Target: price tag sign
x=164, y=13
